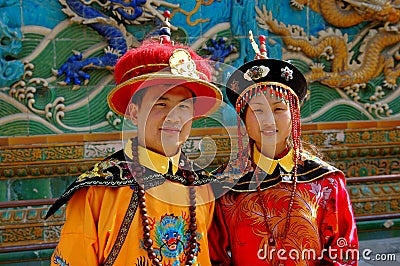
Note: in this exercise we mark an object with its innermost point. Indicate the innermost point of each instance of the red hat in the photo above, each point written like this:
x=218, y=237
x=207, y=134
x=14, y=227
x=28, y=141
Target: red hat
x=155, y=63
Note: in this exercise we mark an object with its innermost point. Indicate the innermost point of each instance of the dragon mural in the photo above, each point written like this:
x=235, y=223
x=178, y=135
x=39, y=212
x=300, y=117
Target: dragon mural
x=350, y=51
x=348, y=13
x=11, y=45
x=110, y=23
x=112, y=28
x=334, y=46
x=333, y=60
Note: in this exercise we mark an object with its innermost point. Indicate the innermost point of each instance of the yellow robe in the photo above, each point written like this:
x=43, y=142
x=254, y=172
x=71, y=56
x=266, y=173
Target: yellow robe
x=94, y=216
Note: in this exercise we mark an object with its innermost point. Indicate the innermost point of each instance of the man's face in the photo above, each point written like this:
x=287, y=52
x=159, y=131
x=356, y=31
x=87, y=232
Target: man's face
x=164, y=118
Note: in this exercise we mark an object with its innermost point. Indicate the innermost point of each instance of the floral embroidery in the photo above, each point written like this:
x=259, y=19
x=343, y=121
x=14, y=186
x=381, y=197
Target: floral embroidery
x=322, y=188
x=315, y=188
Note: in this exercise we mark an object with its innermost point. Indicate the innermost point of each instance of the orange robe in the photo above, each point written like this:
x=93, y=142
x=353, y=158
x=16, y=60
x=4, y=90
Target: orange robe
x=95, y=215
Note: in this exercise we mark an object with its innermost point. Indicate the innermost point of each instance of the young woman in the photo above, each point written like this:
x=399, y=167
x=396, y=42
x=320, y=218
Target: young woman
x=287, y=206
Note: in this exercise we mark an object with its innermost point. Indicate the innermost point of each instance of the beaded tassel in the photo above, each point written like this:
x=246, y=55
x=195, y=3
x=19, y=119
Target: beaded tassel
x=296, y=142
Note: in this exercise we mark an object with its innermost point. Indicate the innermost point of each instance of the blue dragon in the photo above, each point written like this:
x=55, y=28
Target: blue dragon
x=219, y=50
x=114, y=32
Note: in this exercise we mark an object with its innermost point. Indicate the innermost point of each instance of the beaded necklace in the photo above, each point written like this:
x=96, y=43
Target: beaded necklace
x=138, y=171
x=293, y=104
x=271, y=238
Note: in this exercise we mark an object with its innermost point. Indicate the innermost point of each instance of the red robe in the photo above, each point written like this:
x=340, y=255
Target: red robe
x=321, y=231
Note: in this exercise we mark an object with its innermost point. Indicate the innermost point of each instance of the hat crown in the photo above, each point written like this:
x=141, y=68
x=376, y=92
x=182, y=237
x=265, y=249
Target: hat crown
x=264, y=71
x=153, y=56
x=161, y=62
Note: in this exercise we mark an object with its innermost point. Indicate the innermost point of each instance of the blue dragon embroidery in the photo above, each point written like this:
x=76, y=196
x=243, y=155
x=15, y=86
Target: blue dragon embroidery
x=60, y=261
x=171, y=237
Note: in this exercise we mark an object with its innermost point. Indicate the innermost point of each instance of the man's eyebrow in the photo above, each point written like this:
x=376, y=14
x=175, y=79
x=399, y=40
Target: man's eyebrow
x=162, y=98
x=278, y=102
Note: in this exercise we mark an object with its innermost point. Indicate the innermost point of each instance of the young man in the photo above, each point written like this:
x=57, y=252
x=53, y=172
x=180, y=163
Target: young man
x=146, y=204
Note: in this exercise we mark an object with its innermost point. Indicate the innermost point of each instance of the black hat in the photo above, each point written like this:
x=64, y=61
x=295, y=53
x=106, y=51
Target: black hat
x=266, y=71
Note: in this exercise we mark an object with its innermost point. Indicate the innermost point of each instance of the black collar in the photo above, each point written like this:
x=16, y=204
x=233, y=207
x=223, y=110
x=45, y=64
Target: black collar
x=309, y=168
x=115, y=171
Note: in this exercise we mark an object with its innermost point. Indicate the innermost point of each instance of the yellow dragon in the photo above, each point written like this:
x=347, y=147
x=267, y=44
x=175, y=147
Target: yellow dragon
x=348, y=13
x=378, y=49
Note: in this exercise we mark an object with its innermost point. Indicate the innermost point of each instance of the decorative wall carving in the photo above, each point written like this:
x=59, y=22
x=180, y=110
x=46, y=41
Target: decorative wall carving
x=352, y=67
x=348, y=50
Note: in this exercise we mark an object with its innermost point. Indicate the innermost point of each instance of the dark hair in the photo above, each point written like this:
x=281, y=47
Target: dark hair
x=138, y=96
x=312, y=149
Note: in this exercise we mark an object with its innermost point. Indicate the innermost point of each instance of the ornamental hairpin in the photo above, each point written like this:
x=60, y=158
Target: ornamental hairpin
x=262, y=52
x=257, y=72
x=287, y=73
x=181, y=63
x=165, y=31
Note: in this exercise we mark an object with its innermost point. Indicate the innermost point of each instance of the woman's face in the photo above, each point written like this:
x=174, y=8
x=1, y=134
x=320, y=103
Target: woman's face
x=268, y=123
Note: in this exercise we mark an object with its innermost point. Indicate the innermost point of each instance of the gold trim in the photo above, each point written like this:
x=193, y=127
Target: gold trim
x=274, y=179
x=141, y=66
x=158, y=75
x=123, y=230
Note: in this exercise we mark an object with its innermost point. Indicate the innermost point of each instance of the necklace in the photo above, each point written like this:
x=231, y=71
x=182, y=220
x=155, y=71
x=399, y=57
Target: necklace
x=271, y=238
x=147, y=241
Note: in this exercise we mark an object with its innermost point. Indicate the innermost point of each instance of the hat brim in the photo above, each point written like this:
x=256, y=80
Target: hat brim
x=207, y=101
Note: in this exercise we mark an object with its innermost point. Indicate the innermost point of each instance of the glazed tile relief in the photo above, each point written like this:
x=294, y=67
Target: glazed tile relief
x=350, y=58
x=58, y=66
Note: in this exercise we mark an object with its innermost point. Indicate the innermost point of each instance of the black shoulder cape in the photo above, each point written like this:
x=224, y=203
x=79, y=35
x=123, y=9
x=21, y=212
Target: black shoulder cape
x=309, y=168
x=116, y=171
